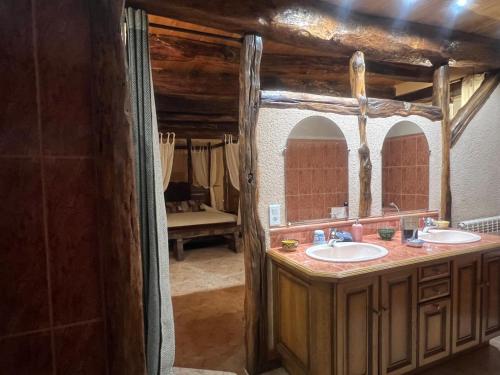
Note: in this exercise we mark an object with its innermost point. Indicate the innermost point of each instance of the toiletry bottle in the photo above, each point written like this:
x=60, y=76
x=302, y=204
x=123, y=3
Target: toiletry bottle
x=357, y=231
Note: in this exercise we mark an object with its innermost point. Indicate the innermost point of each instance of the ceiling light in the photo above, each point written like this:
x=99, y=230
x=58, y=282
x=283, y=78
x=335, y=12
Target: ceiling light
x=461, y=3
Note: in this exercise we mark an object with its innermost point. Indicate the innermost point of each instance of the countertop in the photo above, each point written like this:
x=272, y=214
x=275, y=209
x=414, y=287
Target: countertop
x=399, y=255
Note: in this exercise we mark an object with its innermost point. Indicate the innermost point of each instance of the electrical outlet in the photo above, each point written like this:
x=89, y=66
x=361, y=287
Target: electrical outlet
x=274, y=214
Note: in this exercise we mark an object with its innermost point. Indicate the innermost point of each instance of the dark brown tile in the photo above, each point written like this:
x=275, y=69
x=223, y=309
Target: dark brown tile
x=422, y=185
x=318, y=180
x=409, y=151
x=18, y=108
x=80, y=350
x=65, y=76
x=23, y=276
x=409, y=180
x=292, y=182
x=305, y=181
x=72, y=232
x=396, y=152
x=422, y=150
x=26, y=355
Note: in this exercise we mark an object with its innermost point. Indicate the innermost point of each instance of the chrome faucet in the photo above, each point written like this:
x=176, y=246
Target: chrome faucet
x=392, y=204
x=429, y=224
x=334, y=238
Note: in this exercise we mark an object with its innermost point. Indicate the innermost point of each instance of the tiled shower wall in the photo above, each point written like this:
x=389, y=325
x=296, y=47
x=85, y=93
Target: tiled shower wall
x=315, y=178
x=405, y=167
x=51, y=309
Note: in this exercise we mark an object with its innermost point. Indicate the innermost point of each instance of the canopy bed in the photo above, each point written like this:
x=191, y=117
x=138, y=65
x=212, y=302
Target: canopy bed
x=196, y=208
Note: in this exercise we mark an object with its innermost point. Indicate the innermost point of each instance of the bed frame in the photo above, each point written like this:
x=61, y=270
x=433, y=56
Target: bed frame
x=181, y=191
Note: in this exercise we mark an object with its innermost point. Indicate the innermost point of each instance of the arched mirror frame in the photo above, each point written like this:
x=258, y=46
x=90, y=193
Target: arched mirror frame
x=316, y=171
x=405, y=168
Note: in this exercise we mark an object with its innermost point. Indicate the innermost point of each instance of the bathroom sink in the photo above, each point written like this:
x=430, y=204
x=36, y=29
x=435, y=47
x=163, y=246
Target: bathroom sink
x=347, y=252
x=445, y=236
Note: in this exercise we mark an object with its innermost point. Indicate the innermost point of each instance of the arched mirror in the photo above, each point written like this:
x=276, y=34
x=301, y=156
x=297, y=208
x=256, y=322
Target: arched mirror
x=405, y=169
x=316, y=172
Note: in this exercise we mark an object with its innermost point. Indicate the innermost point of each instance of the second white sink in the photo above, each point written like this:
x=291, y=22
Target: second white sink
x=446, y=236
x=347, y=252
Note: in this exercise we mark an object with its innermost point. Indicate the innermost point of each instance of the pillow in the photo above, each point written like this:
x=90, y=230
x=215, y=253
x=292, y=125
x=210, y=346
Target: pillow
x=184, y=206
x=171, y=207
x=195, y=205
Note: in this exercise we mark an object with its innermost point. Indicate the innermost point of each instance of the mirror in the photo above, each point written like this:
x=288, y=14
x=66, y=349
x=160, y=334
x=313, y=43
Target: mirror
x=405, y=169
x=316, y=171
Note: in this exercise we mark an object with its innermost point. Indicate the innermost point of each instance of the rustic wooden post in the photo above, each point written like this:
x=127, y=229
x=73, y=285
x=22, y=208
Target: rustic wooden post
x=253, y=241
x=441, y=98
x=475, y=103
x=357, y=77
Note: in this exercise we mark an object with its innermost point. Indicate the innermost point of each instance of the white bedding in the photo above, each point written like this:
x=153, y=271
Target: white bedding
x=209, y=216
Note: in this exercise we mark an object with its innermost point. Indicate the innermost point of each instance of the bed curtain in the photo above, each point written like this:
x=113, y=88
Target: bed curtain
x=157, y=302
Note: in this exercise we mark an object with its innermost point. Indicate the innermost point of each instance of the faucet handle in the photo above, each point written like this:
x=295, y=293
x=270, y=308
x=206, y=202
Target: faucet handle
x=429, y=221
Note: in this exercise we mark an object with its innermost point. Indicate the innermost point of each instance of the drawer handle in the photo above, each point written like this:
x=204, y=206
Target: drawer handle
x=376, y=312
x=436, y=289
x=436, y=306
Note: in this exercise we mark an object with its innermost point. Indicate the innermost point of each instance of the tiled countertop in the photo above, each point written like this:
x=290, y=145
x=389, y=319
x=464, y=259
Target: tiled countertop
x=399, y=255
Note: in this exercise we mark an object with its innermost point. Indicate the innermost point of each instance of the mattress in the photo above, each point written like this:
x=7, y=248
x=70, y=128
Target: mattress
x=212, y=216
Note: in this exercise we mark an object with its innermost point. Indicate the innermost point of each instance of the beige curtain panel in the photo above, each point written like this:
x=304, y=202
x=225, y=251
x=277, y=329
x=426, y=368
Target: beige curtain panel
x=199, y=157
x=232, y=160
x=167, y=148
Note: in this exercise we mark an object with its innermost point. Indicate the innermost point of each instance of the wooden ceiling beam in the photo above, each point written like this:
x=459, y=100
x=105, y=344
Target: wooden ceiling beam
x=425, y=94
x=202, y=103
x=318, y=25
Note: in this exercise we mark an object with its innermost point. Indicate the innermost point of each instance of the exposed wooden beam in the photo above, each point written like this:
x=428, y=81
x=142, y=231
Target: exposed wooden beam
x=441, y=98
x=317, y=24
x=475, y=103
x=197, y=103
x=347, y=106
x=357, y=75
x=216, y=118
x=425, y=94
x=253, y=240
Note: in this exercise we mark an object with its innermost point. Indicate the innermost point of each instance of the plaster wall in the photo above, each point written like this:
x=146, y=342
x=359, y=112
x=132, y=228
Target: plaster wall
x=475, y=165
x=274, y=126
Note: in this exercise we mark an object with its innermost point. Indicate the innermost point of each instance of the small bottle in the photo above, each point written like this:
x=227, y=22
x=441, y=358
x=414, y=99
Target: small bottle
x=357, y=231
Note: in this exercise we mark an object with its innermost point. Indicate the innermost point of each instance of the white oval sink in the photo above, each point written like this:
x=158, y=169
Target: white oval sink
x=347, y=252
x=446, y=236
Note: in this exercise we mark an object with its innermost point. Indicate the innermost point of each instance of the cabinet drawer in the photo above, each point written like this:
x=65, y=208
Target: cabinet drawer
x=434, y=271
x=433, y=290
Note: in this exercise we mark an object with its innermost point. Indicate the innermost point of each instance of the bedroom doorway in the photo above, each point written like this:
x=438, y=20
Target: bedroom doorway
x=198, y=126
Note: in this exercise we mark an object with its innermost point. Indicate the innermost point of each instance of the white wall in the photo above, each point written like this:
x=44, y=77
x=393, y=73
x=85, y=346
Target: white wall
x=273, y=129
x=475, y=165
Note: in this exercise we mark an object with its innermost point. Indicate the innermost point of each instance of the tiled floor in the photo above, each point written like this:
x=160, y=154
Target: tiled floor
x=206, y=269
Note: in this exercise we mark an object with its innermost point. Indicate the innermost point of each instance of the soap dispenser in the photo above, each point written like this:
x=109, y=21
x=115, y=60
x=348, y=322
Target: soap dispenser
x=357, y=231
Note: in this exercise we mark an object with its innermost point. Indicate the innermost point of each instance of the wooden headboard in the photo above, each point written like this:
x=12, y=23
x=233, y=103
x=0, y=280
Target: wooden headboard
x=183, y=191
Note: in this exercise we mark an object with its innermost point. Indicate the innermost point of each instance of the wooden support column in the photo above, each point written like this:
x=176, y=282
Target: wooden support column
x=475, y=103
x=441, y=98
x=253, y=240
x=357, y=77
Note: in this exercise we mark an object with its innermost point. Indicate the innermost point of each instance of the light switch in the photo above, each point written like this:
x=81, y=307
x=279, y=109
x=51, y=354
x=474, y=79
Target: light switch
x=274, y=214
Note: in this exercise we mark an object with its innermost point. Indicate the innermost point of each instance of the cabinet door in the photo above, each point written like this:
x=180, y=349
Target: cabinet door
x=434, y=331
x=491, y=295
x=399, y=322
x=466, y=303
x=357, y=327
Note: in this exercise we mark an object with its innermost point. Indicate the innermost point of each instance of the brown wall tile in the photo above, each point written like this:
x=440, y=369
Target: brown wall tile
x=18, y=108
x=26, y=355
x=72, y=235
x=65, y=76
x=23, y=275
x=80, y=350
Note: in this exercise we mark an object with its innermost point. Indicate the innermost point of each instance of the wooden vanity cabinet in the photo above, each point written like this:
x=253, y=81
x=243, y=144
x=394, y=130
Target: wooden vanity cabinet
x=491, y=295
x=434, y=331
x=357, y=327
x=466, y=330
x=391, y=323
x=398, y=329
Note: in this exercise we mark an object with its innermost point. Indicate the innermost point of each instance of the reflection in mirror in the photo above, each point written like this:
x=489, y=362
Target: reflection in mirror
x=316, y=171
x=405, y=169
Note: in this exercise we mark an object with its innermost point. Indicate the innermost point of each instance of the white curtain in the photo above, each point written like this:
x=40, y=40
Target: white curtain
x=470, y=84
x=167, y=148
x=217, y=177
x=201, y=174
x=233, y=160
